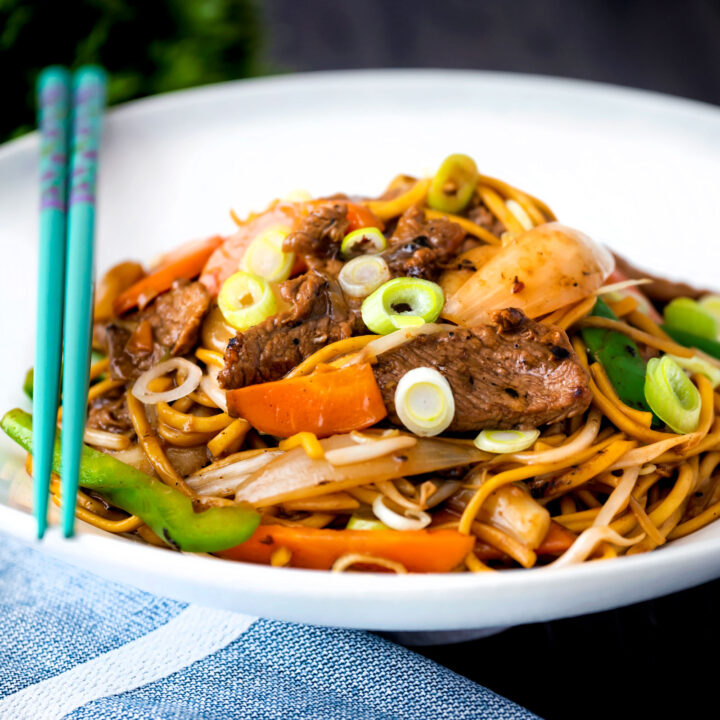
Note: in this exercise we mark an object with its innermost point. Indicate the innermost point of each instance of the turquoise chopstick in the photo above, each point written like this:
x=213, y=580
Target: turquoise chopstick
x=89, y=85
x=53, y=99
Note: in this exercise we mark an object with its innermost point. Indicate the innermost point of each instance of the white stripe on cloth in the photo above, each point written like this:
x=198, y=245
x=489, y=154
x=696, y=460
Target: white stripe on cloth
x=190, y=636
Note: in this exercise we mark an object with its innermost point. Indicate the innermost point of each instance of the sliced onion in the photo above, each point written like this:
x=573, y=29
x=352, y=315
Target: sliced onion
x=225, y=479
x=209, y=385
x=385, y=343
x=344, y=562
x=622, y=285
x=193, y=375
x=618, y=498
x=362, y=275
x=294, y=475
x=411, y=520
x=368, y=451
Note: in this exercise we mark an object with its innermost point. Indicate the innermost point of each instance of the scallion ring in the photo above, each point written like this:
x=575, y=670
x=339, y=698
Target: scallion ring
x=671, y=395
x=265, y=257
x=364, y=241
x=402, y=297
x=246, y=300
x=362, y=275
x=698, y=365
x=711, y=303
x=424, y=401
x=506, y=441
x=688, y=315
x=453, y=185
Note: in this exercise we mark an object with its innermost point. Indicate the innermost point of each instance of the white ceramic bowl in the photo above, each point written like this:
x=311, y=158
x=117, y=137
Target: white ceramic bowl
x=637, y=169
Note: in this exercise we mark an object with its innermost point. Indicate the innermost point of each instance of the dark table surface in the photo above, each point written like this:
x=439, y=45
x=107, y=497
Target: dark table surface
x=651, y=660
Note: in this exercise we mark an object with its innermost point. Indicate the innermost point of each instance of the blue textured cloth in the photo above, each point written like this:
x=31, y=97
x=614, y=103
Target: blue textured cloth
x=75, y=646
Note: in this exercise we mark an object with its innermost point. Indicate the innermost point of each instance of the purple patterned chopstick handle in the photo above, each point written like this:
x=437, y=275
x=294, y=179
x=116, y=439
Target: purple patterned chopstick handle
x=53, y=108
x=90, y=84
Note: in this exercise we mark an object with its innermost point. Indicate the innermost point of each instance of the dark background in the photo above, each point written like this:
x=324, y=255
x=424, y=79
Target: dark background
x=655, y=659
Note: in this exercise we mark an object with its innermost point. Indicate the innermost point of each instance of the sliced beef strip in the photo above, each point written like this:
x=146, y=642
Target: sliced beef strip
x=480, y=215
x=421, y=247
x=175, y=318
x=110, y=413
x=514, y=373
x=319, y=314
x=319, y=235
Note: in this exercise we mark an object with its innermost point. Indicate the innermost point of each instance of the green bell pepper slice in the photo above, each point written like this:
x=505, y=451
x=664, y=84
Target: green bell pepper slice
x=620, y=357
x=167, y=511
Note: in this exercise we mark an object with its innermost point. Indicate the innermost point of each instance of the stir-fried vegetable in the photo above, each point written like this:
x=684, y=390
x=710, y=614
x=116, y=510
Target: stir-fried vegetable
x=688, y=315
x=711, y=303
x=424, y=401
x=318, y=549
x=544, y=269
x=324, y=403
x=115, y=281
x=362, y=242
x=265, y=257
x=167, y=511
x=453, y=185
x=690, y=340
x=672, y=395
x=620, y=357
x=362, y=275
x=506, y=441
x=360, y=522
x=193, y=375
x=700, y=366
x=184, y=264
x=246, y=300
x=295, y=474
x=402, y=302
x=360, y=216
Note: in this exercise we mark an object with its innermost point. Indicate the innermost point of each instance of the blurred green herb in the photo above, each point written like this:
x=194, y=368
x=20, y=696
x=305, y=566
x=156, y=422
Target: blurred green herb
x=147, y=46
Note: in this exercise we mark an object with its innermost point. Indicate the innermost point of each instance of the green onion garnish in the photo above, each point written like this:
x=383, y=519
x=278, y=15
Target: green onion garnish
x=453, y=185
x=364, y=241
x=424, y=401
x=246, y=300
x=671, y=395
x=711, y=303
x=687, y=315
x=265, y=257
x=360, y=522
x=697, y=365
x=402, y=298
x=506, y=441
x=361, y=275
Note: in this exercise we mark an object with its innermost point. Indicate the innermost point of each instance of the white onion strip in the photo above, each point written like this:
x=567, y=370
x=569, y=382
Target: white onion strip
x=193, y=375
x=349, y=559
x=588, y=540
x=581, y=442
x=648, y=453
x=622, y=285
x=368, y=451
x=411, y=520
x=619, y=497
x=104, y=439
x=209, y=385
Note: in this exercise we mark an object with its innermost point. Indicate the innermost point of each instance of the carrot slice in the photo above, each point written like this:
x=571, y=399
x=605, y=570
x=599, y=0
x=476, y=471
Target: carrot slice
x=183, y=264
x=361, y=216
x=324, y=403
x=317, y=549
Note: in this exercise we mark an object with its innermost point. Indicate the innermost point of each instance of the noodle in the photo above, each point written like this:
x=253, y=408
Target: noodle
x=468, y=226
x=345, y=562
x=230, y=438
x=475, y=565
x=539, y=212
x=498, y=208
x=606, y=388
x=504, y=542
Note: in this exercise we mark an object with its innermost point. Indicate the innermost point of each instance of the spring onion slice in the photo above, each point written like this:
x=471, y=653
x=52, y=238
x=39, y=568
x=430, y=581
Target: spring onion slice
x=688, y=315
x=246, y=300
x=402, y=297
x=671, y=395
x=453, y=185
x=711, y=303
x=364, y=241
x=360, y=522
x=698, y=365
x=506, y=441
x=265, y=256
x=424, y=401
x=362, y=275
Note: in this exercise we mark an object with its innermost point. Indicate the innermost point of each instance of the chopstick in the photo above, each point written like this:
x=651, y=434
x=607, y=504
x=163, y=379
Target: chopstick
x=89, y=100
x=53, y=93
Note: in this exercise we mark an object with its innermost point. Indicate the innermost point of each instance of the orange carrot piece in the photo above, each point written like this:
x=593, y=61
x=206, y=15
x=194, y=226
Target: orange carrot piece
x=183, y=264
x=324, y=403
x=360, y=216
x=317, y=549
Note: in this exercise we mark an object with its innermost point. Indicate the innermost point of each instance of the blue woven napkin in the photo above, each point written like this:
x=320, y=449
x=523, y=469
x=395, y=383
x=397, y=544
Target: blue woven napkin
x=75, y=646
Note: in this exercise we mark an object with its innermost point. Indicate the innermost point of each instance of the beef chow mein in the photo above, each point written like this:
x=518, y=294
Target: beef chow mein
x=443, y=378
